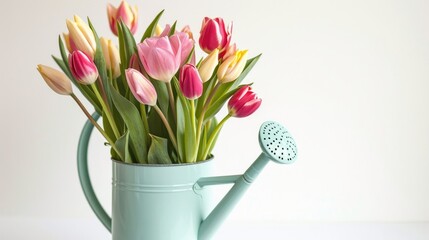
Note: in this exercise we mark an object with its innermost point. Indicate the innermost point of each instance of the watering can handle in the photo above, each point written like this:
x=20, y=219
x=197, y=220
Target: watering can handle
x=85, y=181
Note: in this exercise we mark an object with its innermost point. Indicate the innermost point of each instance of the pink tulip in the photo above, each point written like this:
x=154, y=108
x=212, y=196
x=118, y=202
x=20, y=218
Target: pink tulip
x=166, y=31
x=214, y=35
x=190, y=82
x=82, y=68
x=243, y=103
x=161, y=56
x=141, y=87
x=125, y=13
x=186, y=47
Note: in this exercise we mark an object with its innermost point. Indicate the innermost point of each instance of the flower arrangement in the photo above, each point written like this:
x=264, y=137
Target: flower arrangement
x=157, y=103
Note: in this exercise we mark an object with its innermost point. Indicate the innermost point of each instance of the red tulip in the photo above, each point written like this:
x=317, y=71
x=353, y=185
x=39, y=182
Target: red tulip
x=82, y=68
x=190, y=82
x=243, y=103
x=214, y=35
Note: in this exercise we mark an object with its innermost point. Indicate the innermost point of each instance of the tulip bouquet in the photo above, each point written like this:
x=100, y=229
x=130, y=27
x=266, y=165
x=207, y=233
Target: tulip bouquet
x=157, y=103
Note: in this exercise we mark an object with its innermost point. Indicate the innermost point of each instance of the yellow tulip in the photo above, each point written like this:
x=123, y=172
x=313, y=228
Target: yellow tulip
x=80, y=37
x=232, y=67
x=56, y=80
x=208, y=65
x=111, y=55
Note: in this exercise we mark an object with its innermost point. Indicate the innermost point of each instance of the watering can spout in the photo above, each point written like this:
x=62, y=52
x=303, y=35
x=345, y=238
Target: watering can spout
x=277, y=145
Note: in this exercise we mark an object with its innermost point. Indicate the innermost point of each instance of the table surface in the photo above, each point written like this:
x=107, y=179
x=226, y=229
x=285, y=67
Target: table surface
x=18, y=228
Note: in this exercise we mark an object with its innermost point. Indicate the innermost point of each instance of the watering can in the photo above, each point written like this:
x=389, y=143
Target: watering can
x=166, y=202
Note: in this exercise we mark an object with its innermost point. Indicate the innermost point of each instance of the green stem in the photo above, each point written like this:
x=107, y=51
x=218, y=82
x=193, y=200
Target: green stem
x=193, y=158
x=193, y=120
x=88, y=115
x=144, y=119
x=171, y=98
x=108, y=113
x=214, y=135
x=167, y=125
x=203, y=112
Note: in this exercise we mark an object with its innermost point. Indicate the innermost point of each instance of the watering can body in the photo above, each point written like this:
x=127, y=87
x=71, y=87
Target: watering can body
x=159, y=202
x=166, y=202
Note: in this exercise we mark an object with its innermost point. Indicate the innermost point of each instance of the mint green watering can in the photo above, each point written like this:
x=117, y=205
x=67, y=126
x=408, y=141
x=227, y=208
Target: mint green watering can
x=171, y=202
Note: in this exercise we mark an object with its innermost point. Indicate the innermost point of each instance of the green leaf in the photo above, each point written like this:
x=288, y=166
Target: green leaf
x=172, y=29
x=62, y=50
x=207, y=132
x=212, y=125
x=152, y=26
x=132, y=120
x=162, y=94
x=218, y=104
x=158, y=151
x=180, y=130
x=101, y=65
x=122, y=144
x=207, y=87
x=186, y=131
x=107, y=128
x=130, y=45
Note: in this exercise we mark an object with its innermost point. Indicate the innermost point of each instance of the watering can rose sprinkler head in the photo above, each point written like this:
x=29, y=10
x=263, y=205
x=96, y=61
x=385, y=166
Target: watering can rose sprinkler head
x=276, y=142
x=277, y=145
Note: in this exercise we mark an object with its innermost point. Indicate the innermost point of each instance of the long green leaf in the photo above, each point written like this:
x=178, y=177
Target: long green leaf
x=185, y=131
x=122, y=144
x=207, y=87
x=172, y=29
x=132, y=120
x=152, y=26
x=101, y=65
x=130, y=45
x=107, y=128
x=158, y=151
x=218, y=104
x=180, y=130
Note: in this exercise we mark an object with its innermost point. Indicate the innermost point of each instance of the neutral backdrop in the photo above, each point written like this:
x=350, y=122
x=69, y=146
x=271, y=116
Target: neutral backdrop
x=349, y=79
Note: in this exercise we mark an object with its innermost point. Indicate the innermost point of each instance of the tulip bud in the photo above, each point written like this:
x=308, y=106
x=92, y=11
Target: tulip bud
x=232, y=67
x=56, y=80
x=190, y=82
x=111, y=56
x=82, y=68
x=208, y=65
x=141, y=87
x=243, y=103
x=80, y=37
x=214, y=35
x=125, y=13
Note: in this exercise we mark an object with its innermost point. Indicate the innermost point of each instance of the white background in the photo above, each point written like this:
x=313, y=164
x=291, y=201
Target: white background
x=349, y=79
